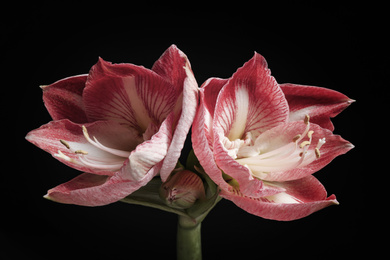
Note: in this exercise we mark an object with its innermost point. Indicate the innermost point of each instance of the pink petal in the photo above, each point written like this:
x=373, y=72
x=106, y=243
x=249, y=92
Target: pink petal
x=301, y=198
x=150, y=153
x=189, y=105
x=170, y=66
x=96, y=190
x=202, y=147
x=248, y=185
x=333, y=147
x=174, y=67
x=110, y=134
x=209, y=93
x=127, y=94
x=319, y=103
x=251, y=101
x=63, y=99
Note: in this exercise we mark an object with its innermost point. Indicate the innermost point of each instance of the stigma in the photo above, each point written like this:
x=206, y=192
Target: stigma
x=297, y=153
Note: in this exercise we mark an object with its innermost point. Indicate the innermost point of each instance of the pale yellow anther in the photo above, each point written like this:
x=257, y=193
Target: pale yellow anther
x=296, y=138
x=65, y=143
x=307, y=119
x=85, y=132
x=303, y=144
x=310, y=133
x=81, y=152
x=317, y=152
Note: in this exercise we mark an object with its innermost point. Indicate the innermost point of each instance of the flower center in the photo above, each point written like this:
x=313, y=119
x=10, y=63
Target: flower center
x=100, y=157
x=291, y=155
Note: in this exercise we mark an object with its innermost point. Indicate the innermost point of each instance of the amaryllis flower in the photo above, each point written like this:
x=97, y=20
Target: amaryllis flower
x=121, y=125
x=261, y=141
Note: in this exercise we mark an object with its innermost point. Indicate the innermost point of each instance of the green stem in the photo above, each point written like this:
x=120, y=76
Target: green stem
x=189, y=246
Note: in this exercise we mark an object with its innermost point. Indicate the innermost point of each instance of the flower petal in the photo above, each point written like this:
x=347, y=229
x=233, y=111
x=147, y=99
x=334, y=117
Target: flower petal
x=319, y=103
x=63, y=99
x=127, y=94
x=301, y=198
x=150, y=153
x=175, y=68
x=189, y=105
x=110, y=134
x=278, y=136
x=202, y=145
x=251, y=101
x=96, y=190
x=170, y=66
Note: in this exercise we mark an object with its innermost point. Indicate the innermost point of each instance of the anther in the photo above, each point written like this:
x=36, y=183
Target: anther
x=307, y=119
x=303, y=144
x=65, y=143
x=296, y=138
x=81, y=152
x=85, y=132
x=317, y=152
x=310, y=133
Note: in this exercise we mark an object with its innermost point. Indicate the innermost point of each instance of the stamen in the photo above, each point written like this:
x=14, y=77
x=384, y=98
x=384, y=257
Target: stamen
x=59, y=154
x=317, y=152
x=65, y=143
x=97, y=144
x=81, y=152
x=307, y=119
x=296, y=138
x=303, y=144
x=310, y=133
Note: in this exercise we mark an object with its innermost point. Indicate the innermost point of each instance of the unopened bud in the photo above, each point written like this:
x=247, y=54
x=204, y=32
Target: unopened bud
x=182, y=189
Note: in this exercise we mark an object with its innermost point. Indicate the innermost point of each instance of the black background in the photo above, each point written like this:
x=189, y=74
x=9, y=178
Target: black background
x=335, y=46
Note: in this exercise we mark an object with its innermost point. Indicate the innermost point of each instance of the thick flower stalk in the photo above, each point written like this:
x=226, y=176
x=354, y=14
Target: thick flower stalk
x=121, y=125
x=260, y=142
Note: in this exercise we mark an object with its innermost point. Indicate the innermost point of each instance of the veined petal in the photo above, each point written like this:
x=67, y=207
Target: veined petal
x=301, y=198
x=208, y=98
x=96, y=190
x=320, y=104
x=250, y=101
x=189, y=105
x=150, y=153
x=202, y=145
x=247, y=184
x=127, y=94
x=171, y=66
x=280, y=138
x=63, y=99
x=65, y=140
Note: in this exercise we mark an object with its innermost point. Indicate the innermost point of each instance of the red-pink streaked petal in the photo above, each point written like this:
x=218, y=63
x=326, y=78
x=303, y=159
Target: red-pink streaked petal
x=149, y=153
x=211, y=89
x=333, y=147
x=96, y=190
x=110, y=134
x=248, y=185
x=251, y=101
x=202, y=148
x=208, y=98
x=189, y=106
x=320, y=104
x=301, y=198
x=127, y=94
x=63, y=99
x=170, y=66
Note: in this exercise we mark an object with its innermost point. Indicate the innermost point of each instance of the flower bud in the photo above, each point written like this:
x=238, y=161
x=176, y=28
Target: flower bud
x=182, y=189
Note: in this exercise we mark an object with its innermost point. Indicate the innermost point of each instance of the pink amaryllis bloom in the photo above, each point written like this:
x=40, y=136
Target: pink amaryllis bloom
x=121, y=125
x=260, y=142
